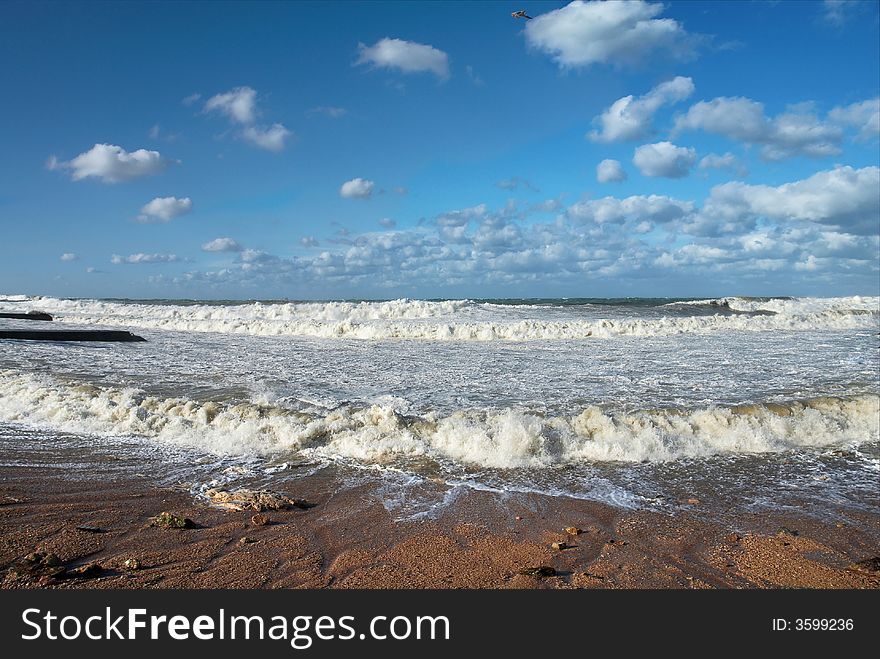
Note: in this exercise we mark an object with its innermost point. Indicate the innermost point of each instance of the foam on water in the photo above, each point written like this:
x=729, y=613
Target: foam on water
x=501, y=438
x=462, y=320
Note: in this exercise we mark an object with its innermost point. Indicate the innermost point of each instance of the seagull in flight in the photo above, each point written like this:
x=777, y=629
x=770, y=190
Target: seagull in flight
x=521, y=14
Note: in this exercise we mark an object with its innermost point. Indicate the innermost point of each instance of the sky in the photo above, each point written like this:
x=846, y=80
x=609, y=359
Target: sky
x=440, y=150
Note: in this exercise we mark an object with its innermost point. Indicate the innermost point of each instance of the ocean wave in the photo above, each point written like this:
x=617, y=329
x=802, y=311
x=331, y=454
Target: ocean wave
x=452, y=320
x=500, y=438
x=791, y=305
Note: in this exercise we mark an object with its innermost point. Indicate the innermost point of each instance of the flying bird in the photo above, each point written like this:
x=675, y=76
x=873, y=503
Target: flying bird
x=521, y=14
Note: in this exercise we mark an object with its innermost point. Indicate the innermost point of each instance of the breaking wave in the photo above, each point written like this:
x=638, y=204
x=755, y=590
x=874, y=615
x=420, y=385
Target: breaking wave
x=458, y=320
x=503, y=438
x=791, y=305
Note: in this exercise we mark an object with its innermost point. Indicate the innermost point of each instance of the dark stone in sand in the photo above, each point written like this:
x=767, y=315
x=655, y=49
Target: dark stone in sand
x=166, y=520
x=39, y=558
x=30, y=315
x=70, y=335
x=540, y=571
x=85, y=571
x=871, y=565
x=91, y=529
x=787, y=531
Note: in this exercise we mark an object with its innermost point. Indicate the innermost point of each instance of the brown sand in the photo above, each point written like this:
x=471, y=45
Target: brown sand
x=345, y=542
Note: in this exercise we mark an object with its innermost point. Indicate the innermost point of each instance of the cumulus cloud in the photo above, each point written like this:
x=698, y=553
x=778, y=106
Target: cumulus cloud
x=796, y=132
x=617, y=33
x=664, y=159
x=635, y=209
x=844, y=198
x=357, y=188
x=239, y=105
x=308, y=241
x=610, y=171
x=404, y=56
x=111, y=164
x=69, y=256
x=629, y=118
x=271, y=138
x=864, y=117
x=387, y=223
x=792, y=233
x=222, y=245
x=727, y=162
x=141, y=258
x=164, y=209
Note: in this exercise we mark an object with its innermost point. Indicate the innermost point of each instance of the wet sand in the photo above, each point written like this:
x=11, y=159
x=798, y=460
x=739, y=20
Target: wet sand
x=349, y=540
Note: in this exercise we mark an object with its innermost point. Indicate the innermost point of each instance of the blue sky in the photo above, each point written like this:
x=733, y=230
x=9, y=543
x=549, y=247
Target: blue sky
x=341, y=150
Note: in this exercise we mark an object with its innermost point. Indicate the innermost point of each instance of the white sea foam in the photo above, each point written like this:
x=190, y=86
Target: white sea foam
x=502, y=438
x=455, y=320
x=792, y=306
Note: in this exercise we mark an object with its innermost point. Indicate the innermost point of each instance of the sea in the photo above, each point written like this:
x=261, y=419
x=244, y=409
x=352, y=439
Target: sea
x=638, y=403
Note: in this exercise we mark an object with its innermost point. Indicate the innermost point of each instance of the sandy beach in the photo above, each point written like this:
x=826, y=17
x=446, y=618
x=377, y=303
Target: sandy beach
x=52, y=527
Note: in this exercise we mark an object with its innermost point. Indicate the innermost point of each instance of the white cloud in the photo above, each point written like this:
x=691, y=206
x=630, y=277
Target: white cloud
x=629, y=118
x=838, y=12
x=404, y=56
x=140, y=258
x=111, y=164
x=618, y=33
x=387, y=223
x=843, y=197
x=664, y=159
x=271, y=138
x=222, y=245
x=191, y=99
x=327, y=111
x=239, y=104
x=637, y=208
x=740, y=234
x=309, y=241
x=516, y=182
x=358, y=188
x=610, y=171
x=69, y=256
x=727, y=162
x=864, y=116
x=163, y=209
x=473, y=76
x=795, y=132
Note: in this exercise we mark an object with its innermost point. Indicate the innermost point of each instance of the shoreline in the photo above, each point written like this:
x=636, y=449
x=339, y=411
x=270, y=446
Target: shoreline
x=347, y=539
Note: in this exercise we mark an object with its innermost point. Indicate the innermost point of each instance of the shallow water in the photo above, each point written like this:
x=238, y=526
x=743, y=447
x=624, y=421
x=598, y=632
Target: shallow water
x=635, y=402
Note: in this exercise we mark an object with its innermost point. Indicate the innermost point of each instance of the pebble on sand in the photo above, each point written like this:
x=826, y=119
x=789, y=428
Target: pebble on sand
x=258, y=500
x=869, y=565
x=166, y=520
x=540, y=571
